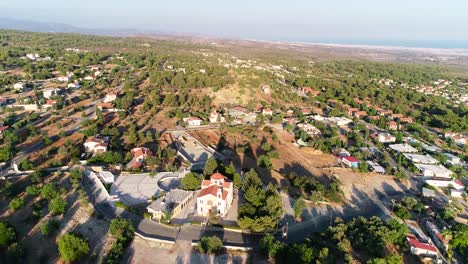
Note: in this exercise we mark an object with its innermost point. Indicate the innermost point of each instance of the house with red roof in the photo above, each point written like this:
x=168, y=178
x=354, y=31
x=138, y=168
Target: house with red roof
x=96, y=144
x=309, y=90
x=392, y=125
x=360, y=114
x=420, y=248
x=215, y=196
x=141, y=153
x=2, y=130
x=350, y=161
x=267, y=112
x=49, y=104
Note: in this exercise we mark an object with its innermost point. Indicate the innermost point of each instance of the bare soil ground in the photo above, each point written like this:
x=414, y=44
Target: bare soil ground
x=144, y=251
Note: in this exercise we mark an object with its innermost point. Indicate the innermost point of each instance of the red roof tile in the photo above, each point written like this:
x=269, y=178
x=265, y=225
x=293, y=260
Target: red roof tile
x=414, y=242
x=217, y=176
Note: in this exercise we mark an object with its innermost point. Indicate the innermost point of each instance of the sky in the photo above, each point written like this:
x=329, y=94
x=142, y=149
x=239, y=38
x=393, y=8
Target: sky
x=387, y=22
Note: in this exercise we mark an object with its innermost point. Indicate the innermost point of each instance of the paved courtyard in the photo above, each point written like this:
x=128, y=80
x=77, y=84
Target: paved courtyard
x=135, y=189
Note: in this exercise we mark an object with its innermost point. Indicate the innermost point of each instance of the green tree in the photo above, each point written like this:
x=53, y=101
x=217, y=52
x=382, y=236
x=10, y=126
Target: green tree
x=299, y=206
x=72, y=247
x=237, y=180
x=191, y=182
x=57, y=206
x=122, y=229
x=32, y=190
x=210, y=166
x=210, y=245
x=16, y=203
x=7, y=235
x=48, y=227
x=49, y=191
x=270, y=246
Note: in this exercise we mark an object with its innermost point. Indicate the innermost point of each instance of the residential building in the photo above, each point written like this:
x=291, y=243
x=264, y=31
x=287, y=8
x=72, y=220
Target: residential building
x=75, y=85
x=215, y=196
x=267, y=112
x=193, y=121
x=141, y=153
x=418, y=158
x=384, y=137
x=351, y=111
x=310, y=129
x=360, y=114
x=459, y=139
x=96, y=144
x=18, y=86
x=445, y=183
x=428, y=170
x=50, y=92
x=403, y=148
x=106, y=177
x=3, y=129
x=437, y=236
x=420, y=248
x=406, y=120
x=376, y=167
x=31, y=56
x=452, y=159
x=216, y=117
x=340, y=121
x=385, y=112
x=350, y=162
x=110, y=97
x=49, y=104
x=173, y=202
x=396, y=116
x=392, y=125
x=63, y=78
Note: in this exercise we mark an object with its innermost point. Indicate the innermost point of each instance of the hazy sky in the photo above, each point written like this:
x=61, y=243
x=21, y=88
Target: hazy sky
x=383, y=21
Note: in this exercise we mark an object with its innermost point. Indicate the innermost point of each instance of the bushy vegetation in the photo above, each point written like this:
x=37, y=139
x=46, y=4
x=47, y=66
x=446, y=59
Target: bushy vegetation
x=262, y=207
x=72, y=247
x=210, y=245
x=342, y=242
x=122, y=230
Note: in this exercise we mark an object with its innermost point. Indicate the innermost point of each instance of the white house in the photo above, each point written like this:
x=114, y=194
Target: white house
x=429, y=170
x=50, y=92
x=384, y=137
x=267, y=112
x=106, y=177
x=419, y=248
x=215, y=196
x=452, y=159
x=193, y=121
x=110, y=97
x=350, y=161
x=436, y=235
x=96, y=144
x=49, y=104
x=32, y=56
x=418, y=158
x=75, y=85
x=310, y=129
x=216, y=117
x=403, y=148
x=456, y=184
x=18, y=86
x=63, y=78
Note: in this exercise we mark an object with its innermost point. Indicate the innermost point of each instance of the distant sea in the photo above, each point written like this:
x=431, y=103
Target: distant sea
x=443, y=44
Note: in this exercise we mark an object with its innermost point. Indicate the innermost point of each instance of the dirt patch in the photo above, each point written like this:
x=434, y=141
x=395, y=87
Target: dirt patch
x=144, y=251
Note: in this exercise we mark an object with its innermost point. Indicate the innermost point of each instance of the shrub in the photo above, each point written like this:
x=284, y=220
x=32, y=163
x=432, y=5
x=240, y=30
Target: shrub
x=32, y=190
x=210, y=245
x=49, y=227
x=57, y=206
x=72, y=247
x=7, y=235
x=16, y=203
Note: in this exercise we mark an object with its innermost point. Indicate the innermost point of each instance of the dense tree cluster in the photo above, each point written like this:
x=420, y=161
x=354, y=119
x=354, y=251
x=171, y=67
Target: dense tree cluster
x=262, y=207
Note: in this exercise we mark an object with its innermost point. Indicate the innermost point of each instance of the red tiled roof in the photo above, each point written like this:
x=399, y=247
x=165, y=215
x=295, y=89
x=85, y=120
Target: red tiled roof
x=459, y=182
x=217, y=176
x=351, y=159
x=213, y=190
x=206, y=183
x=137, y=152
x=3, y=128
x=105, y=105
x=227, y=185
x=414, y=242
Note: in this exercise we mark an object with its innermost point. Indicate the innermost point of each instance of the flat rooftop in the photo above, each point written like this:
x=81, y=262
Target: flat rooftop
x=403, y=148
x=418, y=158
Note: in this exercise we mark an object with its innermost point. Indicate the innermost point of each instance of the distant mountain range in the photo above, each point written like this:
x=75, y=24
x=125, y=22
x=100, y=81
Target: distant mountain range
x=36, y=26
